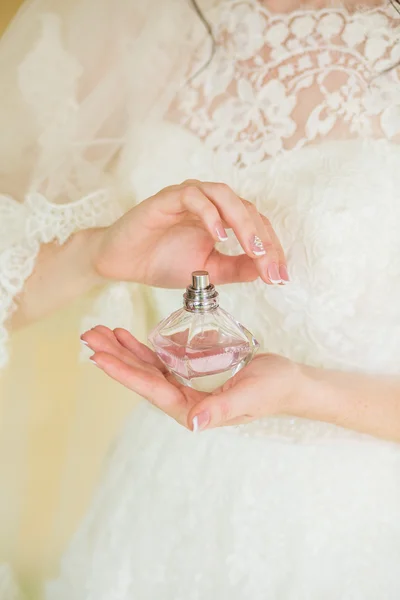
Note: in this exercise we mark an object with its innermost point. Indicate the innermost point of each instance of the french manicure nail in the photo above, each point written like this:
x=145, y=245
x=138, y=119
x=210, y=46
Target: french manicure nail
x=93, y=361
x=257, y=247
x=284, y=274
x=85, y=343
x=273, y=273
x=221, y=233
x=201, y=421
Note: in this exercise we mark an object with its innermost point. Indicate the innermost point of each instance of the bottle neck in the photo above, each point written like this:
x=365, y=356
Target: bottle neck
x=201, y=300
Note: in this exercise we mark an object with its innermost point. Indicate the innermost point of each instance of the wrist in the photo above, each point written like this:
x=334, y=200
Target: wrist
x=316, y=394
x=108, y=257
x=331, y=396
x=79, y=253
x=366, y=403
x=93, y=241
x=61, y=274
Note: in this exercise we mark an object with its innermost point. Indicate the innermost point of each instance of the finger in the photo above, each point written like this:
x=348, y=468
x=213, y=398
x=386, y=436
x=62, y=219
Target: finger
x=237, y=216
x=188, y=197
x=267, y=226
x=274, y=238
x=267, y=265
x=128, y=341
x=272, y=267
x=157, y=390
x=231, y=269
x=99, y=334
x=143, y=382
x=283, y=272
x=265, y=245
x=100, y=341
x=216, y=410
x=106, y=331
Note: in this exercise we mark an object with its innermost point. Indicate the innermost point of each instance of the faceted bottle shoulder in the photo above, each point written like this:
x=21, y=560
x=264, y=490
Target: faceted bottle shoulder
x=179, y=317
x=207, y=329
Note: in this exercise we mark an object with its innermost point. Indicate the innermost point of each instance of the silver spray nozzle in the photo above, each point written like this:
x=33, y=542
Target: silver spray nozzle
x=201, y=296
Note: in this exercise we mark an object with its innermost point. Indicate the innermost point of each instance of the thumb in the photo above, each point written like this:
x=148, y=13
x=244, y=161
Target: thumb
x=231, y=269
x=218, y=409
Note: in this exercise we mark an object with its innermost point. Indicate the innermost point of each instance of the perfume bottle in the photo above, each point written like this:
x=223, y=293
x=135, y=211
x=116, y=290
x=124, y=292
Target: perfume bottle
x=201, y=344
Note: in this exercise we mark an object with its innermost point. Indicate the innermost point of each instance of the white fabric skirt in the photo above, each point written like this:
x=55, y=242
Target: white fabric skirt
x=227, y=516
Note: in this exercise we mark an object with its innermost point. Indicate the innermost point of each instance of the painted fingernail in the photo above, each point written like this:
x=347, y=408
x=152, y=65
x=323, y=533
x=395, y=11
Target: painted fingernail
x=201, y=421
x=84, y=342
x=273, y=273
x=257, y=247
x=93, y=361
x=284, y=274
x=221, y=233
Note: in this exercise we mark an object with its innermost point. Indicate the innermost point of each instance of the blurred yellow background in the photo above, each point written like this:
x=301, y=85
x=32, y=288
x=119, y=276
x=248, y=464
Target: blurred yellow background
x=57, y=420
x=7, y=10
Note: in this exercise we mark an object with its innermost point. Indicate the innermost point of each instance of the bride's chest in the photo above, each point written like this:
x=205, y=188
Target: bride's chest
x=336, y=210
x=280, y=82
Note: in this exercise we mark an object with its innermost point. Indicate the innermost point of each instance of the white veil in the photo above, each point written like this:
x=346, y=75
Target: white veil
x=75, y=76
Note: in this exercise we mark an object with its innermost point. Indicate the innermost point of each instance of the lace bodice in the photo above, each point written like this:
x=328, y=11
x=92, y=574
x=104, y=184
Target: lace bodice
x=279, y=82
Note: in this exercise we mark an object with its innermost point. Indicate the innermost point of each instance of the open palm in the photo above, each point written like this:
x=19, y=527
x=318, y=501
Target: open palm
x=262, y=388
x=138, y=368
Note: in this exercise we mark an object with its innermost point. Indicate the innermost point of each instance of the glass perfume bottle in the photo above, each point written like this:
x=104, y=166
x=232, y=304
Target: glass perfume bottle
x=202, y=344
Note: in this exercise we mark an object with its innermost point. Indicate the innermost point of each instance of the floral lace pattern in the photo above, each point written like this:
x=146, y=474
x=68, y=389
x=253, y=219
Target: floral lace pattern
x=36, y=222
x=279, y=82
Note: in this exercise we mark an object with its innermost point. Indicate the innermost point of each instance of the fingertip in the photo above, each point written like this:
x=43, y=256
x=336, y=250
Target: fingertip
x=126, y=340
x=103, y=360
x=200, y=421
x=274, y=274
x=102, y=328
x=284, y=274
x=220, y=233
x=120, y=332
x=88, y=338
x=264, y=276
x=262, y=270
x=211, y=412
x=103, y=331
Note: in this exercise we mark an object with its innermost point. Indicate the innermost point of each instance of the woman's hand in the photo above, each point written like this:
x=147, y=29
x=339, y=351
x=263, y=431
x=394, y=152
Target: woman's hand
x=267, y=386
x=159, y=242
x=166, y=237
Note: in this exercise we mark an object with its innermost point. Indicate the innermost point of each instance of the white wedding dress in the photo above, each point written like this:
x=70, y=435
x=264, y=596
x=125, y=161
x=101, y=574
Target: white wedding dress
x=293, y=114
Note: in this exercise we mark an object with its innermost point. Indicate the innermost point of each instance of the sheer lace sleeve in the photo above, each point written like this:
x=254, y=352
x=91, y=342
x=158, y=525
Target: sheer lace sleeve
x=74, y=78
x=53, y=188
x=24, y=226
